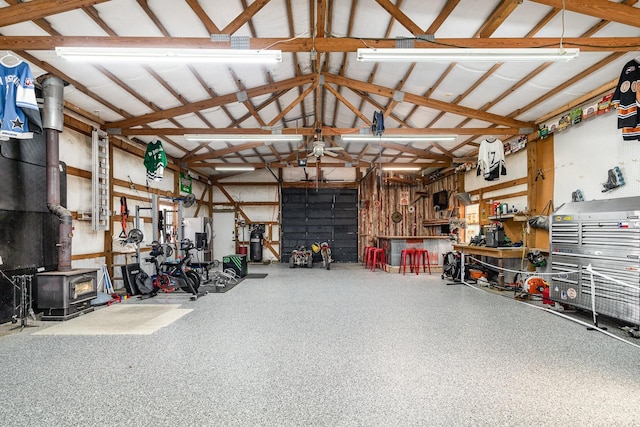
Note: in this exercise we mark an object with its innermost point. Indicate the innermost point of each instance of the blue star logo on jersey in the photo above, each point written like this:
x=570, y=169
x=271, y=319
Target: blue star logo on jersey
x=17, y=124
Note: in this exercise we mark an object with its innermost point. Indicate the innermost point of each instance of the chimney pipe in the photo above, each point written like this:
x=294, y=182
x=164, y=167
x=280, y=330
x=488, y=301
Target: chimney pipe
x=52, y=120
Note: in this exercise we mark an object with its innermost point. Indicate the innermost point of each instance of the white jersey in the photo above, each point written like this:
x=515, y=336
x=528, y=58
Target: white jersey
x=19, y=113
x=491, y=163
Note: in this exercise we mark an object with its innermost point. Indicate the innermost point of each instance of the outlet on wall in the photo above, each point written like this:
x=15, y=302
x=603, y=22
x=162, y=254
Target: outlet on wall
x=1, y=262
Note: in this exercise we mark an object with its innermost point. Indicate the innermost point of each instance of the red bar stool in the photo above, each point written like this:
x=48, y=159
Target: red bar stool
x=422, y=256
x=409, y=253
x=378, y=259
x=367, y=254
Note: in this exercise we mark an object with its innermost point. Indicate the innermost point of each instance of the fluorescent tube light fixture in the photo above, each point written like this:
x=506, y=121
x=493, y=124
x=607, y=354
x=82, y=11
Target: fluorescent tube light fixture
x=397, y=138
x=267, y=137
x=238, y=168
x=401, y=168
x=144, y=55
x=467, y=54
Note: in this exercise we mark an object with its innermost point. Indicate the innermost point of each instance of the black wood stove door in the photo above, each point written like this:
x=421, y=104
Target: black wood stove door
x=325, y=215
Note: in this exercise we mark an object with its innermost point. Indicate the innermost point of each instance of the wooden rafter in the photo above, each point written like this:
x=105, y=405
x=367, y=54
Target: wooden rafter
x=558, y=89
x=211, y=27
x=336, y=44
x=211, y=103
x=310, y=131
x=446, y=10
x=430, y=103
x=497, y=18
x=37, y=9
x=399, y=16
x=244, y=17
x=603, y=9
x=216, y=154
x=288, y=108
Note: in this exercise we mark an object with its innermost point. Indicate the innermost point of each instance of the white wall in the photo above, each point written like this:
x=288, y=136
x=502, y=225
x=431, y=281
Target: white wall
x=516, y=165
x=256, y=214
x=585, y=152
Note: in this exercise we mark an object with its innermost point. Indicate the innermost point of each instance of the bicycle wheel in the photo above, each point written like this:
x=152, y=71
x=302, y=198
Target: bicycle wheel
x=195, y=277
x=163, y=283
x=187, y=284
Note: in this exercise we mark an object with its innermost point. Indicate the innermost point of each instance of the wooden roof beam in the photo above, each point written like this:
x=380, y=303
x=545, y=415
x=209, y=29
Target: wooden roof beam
x=36, y=9
x=290, y=107
x=210, y=26
x=399, y=16
x=216, y=154
x=603, y=9
x=497, y=17
x=310, y=131
x=430, y=103
x=244, y=17
x=213, y=102
x=335, y=44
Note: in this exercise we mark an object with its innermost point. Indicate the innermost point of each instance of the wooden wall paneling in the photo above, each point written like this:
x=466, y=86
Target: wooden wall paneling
x=544, y=187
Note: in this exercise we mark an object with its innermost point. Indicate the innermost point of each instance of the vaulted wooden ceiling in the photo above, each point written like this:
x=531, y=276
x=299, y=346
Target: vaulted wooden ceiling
x=319, y=84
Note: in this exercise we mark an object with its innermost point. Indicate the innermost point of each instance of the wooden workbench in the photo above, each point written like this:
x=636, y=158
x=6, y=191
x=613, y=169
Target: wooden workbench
x=498, y=253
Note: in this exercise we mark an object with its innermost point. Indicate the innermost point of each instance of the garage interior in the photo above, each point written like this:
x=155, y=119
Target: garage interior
x=308, y=188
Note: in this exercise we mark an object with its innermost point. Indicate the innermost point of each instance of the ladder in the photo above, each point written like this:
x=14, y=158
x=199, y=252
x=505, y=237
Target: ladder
x=100, y=194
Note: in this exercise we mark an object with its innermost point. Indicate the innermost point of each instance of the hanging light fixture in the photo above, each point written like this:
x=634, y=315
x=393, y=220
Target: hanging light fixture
x=396, y=138
x=239, y=168
x=152, y=54
x=466, y=54
x=239, y=137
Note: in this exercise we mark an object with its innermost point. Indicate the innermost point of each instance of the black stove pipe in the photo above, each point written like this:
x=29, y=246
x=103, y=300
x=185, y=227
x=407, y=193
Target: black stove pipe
x=52, y=120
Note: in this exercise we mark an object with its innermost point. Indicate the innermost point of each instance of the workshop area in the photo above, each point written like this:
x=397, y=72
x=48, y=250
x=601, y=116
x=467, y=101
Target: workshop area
x=319, y=213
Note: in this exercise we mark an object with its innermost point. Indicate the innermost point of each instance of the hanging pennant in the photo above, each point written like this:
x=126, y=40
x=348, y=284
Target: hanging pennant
x=186, y=183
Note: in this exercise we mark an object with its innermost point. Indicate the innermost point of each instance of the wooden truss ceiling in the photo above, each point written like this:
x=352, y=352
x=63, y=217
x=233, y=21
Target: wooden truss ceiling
x=319, y=85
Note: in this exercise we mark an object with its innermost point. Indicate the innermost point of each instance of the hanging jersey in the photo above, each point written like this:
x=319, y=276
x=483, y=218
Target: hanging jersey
x=491, y=162
x=19, y=113
x=626, y=99
x=155, y=160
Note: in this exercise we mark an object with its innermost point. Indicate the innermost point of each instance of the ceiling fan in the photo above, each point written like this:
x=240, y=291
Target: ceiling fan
x=319, y=149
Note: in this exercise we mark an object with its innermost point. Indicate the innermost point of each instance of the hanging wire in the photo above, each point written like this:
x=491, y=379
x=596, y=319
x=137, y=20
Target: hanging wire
x=562, y=32
x=380, y=159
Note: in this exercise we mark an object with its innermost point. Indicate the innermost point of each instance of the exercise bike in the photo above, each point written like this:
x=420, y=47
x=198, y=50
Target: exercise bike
x=179, y=273
x=160, y=281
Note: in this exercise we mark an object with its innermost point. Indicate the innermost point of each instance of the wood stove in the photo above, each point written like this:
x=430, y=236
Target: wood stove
x=63, y=295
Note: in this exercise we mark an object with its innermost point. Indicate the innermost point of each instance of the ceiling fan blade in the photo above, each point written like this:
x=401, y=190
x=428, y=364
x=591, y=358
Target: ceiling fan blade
x=329, y=153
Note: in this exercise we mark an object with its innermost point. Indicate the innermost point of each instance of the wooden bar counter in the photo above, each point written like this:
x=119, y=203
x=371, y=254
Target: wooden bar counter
x=393, y=245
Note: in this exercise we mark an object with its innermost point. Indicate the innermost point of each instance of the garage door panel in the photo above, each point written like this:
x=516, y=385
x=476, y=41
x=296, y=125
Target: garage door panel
x=294, y=228
x=320, y=214
x=346, y=229
x=320, y=230
x=329, y=215
x=344, y=222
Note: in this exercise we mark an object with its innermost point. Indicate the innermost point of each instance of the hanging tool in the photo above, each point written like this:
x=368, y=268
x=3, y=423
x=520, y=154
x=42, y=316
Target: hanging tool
x=124, y=214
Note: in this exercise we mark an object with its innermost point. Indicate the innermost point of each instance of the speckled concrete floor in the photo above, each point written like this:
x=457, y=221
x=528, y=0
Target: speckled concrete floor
x=345, y=347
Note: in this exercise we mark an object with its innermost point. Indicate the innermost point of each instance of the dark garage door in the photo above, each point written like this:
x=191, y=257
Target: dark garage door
x=329, y=215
